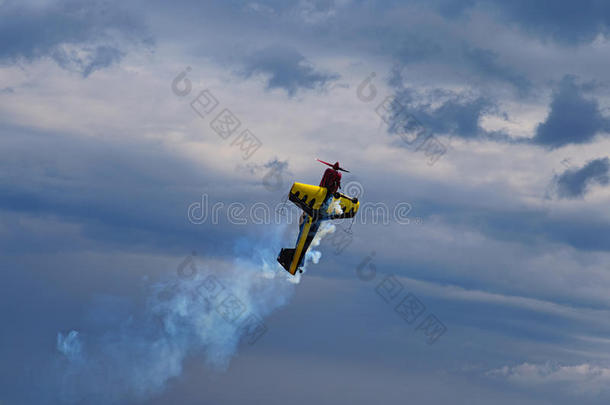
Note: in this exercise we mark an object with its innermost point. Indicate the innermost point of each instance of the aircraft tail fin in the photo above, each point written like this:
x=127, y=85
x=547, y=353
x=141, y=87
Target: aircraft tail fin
x=285, y=258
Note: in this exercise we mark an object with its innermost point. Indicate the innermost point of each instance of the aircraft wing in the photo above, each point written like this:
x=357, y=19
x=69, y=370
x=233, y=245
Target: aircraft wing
x=307, y=197
x=310, y=198
x=349, y=207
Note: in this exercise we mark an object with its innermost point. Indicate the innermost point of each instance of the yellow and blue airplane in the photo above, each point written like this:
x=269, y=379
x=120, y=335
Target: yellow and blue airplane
x=317, y=206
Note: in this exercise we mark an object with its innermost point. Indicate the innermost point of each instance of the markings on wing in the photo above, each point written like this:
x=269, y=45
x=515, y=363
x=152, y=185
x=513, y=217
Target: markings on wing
x=307, y=197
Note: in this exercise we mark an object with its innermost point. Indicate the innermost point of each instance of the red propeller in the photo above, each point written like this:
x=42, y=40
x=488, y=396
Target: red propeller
x=334, y=166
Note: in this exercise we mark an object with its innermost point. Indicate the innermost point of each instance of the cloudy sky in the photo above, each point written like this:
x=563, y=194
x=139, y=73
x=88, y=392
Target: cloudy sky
x=146, y=150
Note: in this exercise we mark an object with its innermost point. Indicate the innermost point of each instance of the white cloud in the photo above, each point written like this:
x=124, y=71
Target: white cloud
x=579, y=379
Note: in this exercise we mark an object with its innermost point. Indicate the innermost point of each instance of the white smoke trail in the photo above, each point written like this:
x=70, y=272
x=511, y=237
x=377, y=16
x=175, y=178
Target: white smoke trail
x=70, y=345
x=207, y=312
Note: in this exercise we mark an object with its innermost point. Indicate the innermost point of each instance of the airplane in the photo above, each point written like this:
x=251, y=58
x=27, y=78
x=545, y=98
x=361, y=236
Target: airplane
x=318, y=204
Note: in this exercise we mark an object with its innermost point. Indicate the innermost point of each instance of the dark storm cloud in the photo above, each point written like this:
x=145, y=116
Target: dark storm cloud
x=574, y=182
x=81, y=36
x=485, y=62
x=285, y=68
x=415, y=48
x=378, y=29
x=573, y=118
x=478, y=66
x=565, y=21
x=120, y=194
x=444, y=111
x=531, y=226
x=96, y=58
x=582, y=232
